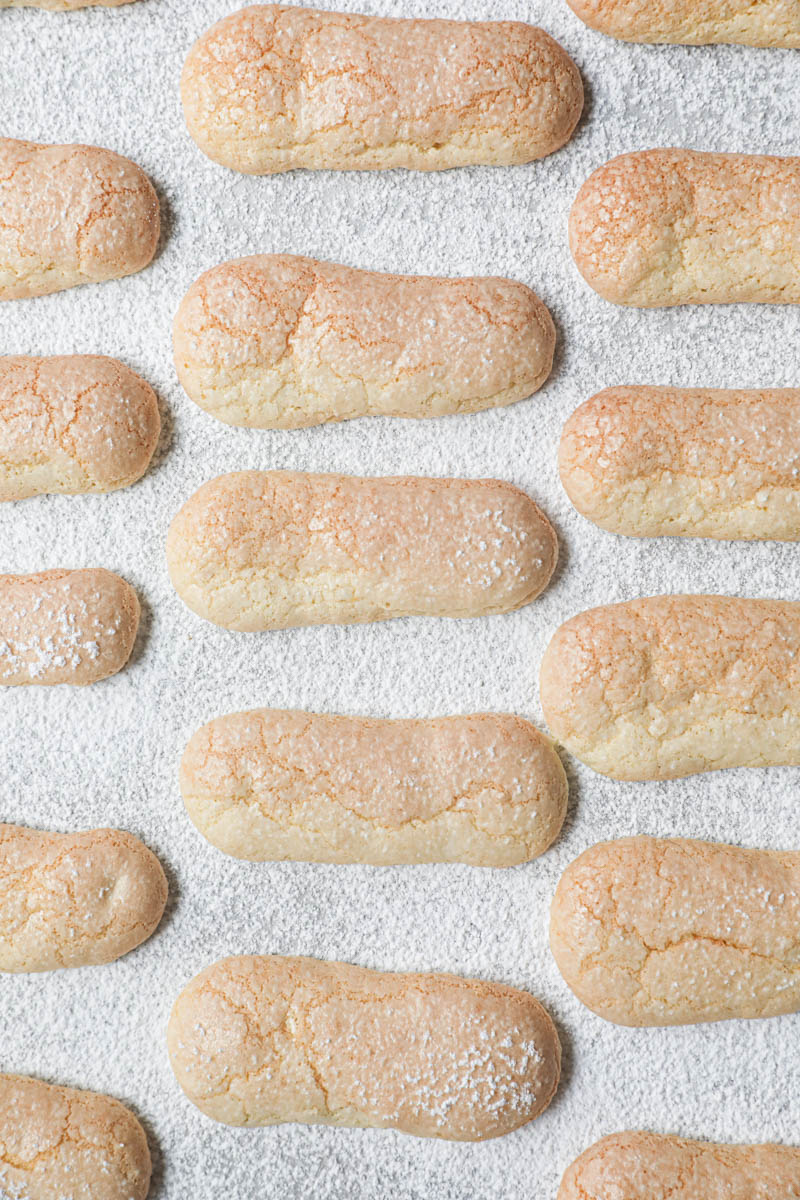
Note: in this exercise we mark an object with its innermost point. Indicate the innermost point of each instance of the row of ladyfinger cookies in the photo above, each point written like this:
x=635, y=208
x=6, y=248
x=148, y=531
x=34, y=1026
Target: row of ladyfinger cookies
x=772, y=23
x=265, y=1040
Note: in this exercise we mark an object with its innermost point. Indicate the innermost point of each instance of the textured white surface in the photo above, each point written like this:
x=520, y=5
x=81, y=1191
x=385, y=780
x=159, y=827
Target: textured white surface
x=109, y=754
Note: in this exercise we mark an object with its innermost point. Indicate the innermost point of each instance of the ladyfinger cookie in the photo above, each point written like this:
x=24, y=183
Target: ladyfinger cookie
x=651, y=931
x=75, y=899
x=690, y=462
x=484, y=789
x=274, y=87
x=646, y=1166
x=57, y=1142
x=665, y=227
x=280, y=342
x=77, y=423
x=262, y=1041
x=671, y=685
x=695, y=22
x=259, y=550
x=65, y=626
x=71, y=214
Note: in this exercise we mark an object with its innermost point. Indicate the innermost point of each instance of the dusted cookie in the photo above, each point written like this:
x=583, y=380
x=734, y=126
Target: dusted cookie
x=261, y=1041
x=672, y=685
x=56, y=1142
x=688, y=462
x=275, y=87
x=672, y=932
x=271, y=549
x=71, y=214
x=487, y=790
x=75, y=899
x=61, y=5
x=280, y=342
x=644, y=1166
x=665, y=227
x=695, y=22
x=65, y=626
x=77, y=423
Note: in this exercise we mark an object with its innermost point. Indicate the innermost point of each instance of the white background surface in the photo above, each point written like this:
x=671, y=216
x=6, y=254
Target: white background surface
x=73, y=759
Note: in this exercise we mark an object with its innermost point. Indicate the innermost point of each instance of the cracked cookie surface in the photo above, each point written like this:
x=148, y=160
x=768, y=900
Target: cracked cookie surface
x=652, y=931
x=668, y=686
x=71, y=215
x=65, y=626
x=663, y=227
x=58, y=1143
x=646, y=1166
x=695, y=22
x=259, y=550
x=262, y=1041
x=73, y=423
x=277, y=341
x=75, y=899
x=273, y=784
x=688, y=462
x=274, y=87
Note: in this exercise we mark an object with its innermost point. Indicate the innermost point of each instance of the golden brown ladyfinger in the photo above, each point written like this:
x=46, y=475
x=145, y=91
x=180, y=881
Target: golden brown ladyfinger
x=262, y=1041
x=71, y=214
x=652, y=931
x=58, y=1142
x=688, y=462
x=280, y=342
x=646, y=1166
x=275, y=87
x=262, y=550
x=75, y=899
x=485, y=789
x=65, y=626
x=671, y=685
x=695, y=22
x=664, y=227
x=73, y=423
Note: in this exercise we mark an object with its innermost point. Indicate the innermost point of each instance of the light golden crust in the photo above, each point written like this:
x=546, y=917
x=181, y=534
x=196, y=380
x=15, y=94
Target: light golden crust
x=271, y=785
x=261, y=1041
x=57, y=1142
x=665, y=227
x=650, y=931
x=691, y=462
x=671, y=685
x=272, y=87
x=71, y=215
x=73, y=423
x=65, y=626
x=646, y=1166
x=695, y=22
x=75, y=899
x=262, y=550
x=281, y=342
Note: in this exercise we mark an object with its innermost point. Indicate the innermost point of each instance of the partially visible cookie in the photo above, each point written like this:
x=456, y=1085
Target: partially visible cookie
x=261, y=1041
x=695, y=22
x=58, y=1142
x=668, y=686
x=73, y=423
x=71, y=214
x=75, y=899
x=65, y=626
x=664, y=227
x=646, y=1166
x=280, y=342
x=668, y=931
x=686, y=462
